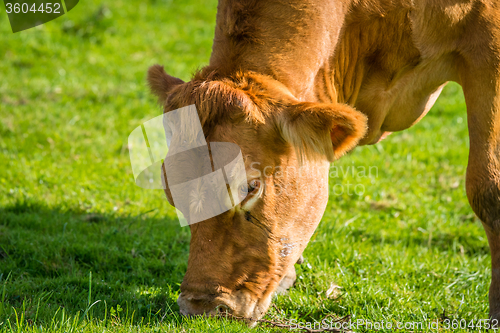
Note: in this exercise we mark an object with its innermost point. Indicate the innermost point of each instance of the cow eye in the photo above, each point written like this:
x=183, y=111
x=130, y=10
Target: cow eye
x=251, y=188
x=253, y=185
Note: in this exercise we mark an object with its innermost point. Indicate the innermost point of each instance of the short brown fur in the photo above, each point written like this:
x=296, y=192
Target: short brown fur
x=298, y=83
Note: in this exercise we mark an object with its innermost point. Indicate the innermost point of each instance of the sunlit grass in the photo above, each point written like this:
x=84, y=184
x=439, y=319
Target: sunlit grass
x=84, y=249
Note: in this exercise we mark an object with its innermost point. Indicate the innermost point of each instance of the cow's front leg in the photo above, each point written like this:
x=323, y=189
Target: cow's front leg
x=481, y=84
x=289, y=279
x=494, y=295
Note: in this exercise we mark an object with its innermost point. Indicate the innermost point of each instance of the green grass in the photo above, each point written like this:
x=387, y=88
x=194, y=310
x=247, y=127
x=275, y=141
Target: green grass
x=84, y=249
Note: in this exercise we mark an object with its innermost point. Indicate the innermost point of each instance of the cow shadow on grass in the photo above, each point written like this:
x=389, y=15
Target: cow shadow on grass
x=55, y=258
x=129, y=266
x=58, y=262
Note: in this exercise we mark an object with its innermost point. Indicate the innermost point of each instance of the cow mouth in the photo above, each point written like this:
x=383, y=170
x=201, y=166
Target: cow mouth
x=239, y=305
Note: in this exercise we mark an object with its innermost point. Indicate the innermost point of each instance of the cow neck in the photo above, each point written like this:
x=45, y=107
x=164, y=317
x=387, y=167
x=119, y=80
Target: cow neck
x=291, y=42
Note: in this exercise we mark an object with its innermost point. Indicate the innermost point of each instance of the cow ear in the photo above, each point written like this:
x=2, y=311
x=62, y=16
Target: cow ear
x=322, y=130
x=161, y=83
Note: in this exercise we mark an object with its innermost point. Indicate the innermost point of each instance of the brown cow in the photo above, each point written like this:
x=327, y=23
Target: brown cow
x=299, y=83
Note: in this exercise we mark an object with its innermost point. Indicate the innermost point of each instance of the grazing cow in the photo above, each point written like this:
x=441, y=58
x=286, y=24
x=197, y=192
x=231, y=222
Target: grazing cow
x=298, y=83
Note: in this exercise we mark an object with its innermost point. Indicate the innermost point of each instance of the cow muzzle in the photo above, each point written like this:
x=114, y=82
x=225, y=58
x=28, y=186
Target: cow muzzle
x=201, y=305
x=239, y=304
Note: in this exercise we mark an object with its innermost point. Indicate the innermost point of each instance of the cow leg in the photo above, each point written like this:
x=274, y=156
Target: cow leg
x=300, y=261
x=481, y=85
x=289, y=279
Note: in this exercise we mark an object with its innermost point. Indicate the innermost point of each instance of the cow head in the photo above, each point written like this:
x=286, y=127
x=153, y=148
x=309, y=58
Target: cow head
x=238, y=259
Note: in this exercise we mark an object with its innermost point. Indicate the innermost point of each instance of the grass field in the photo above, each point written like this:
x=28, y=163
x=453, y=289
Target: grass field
x=84, y=249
